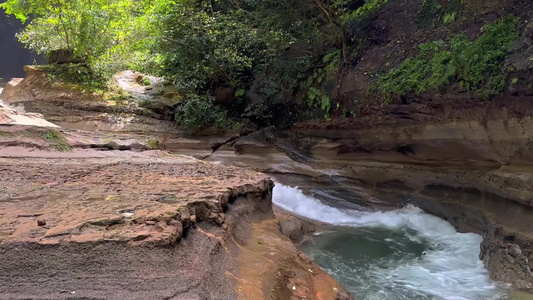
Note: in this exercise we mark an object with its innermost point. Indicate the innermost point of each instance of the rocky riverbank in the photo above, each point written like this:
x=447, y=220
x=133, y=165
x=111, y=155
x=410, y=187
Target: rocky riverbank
x=80, y=220
x=472, y=169
x=468, y=161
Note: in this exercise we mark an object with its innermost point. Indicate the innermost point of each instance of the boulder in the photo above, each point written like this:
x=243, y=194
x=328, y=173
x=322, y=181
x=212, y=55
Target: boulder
x=9, y=88
x=292, y=228
x=63, y=56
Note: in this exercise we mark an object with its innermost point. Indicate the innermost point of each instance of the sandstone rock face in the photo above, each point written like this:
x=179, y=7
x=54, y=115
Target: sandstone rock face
x=34, y=86
x=112, y=190
x=9, y=87
x=9, y=116
x=292, y=228
x=468, y=162
x=68, y=106
x=92, y=224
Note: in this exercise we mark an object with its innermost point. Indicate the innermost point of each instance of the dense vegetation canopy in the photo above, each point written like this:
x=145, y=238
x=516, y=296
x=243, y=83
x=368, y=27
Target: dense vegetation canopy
x=265, y=52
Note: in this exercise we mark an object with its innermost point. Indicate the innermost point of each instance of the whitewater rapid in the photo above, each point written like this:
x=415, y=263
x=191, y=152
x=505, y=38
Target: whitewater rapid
x=449, y=268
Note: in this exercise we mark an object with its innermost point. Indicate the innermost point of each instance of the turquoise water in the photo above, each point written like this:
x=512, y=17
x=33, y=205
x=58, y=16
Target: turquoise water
x=402, y=254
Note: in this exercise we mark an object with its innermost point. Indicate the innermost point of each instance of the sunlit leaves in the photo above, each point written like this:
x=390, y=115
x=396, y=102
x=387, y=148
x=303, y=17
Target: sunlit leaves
x=100, y=32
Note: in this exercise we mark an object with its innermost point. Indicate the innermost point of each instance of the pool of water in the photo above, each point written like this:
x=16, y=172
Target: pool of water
x=402, y=254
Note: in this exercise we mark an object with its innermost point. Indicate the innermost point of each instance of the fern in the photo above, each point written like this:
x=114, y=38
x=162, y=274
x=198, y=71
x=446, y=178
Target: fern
x=474, y=65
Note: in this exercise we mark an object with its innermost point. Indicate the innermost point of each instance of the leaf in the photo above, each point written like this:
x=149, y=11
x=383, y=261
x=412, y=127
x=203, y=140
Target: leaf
x=331, y=56
x=309, y=102
x=240, y=93
x=312, y=95
x=450, y=18
x=326, y=103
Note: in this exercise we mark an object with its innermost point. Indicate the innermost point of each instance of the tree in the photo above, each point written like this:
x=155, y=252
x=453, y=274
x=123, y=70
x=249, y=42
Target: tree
x=94, y=30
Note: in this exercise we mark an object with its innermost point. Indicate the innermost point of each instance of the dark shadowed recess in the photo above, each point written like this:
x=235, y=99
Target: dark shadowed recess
x=13, y=55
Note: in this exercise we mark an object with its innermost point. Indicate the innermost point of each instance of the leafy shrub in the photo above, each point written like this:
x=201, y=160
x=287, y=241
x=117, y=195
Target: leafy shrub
x=199, y=112
x=474, y=65
x=106, y=34
x=78, y=74
x=429, y=10
x=285, y=77
x=219, y=42
x=449, y=18
x=259, y=113
x=433, y=10
x=143, y=80
x=227, y=43
x=370, y=7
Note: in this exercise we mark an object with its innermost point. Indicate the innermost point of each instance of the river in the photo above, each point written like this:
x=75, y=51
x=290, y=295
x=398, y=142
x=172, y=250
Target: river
x=399, y=254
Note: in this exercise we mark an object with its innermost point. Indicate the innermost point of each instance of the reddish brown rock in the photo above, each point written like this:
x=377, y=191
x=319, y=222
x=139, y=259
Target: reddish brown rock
x=149, y=226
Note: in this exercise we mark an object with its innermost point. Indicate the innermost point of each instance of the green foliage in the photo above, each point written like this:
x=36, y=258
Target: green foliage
x=199, y=112
x=363, y=12
x=475, y=65
x=285, y=77
x=318, y=98
x=144, y=81
x=200, y=45
x=79, y=75
x=317, y=95
x=432, y=10
x=227, y=43
x=57, y=140
x=449, y=18
x=240, y=93
x=259, y=113
x=106, y=34
x=202, y=48
x=153, y=144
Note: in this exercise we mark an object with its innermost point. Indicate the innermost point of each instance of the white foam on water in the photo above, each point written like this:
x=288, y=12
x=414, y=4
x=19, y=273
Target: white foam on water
x=452, y=271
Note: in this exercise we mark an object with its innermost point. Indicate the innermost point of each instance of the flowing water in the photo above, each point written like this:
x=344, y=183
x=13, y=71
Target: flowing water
x=402, y=254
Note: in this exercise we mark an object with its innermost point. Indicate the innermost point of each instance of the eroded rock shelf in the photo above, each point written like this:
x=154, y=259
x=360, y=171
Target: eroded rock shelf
x=141, y=225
